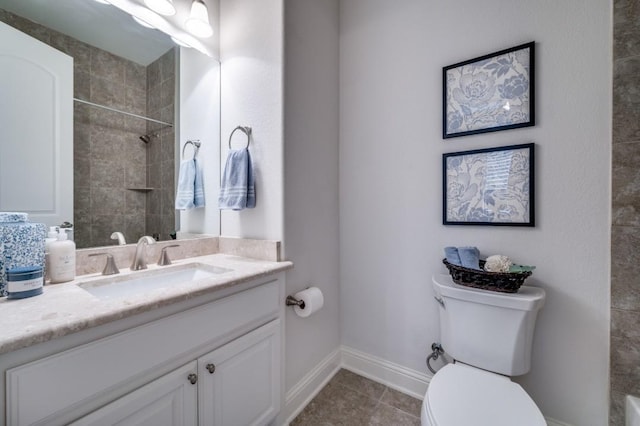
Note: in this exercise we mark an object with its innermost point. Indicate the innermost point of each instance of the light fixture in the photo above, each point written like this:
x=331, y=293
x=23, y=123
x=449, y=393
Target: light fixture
x=179, y=42
x=142, y=22
x=198, y=22
x=166, y=25
x=163, y=7
x=102, y=1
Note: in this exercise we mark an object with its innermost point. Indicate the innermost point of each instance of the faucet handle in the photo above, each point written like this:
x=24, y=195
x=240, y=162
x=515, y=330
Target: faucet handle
x=110, y=267
x=164, y=257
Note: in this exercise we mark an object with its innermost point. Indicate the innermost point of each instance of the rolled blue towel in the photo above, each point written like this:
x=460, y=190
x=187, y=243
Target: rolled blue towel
x=469, y=257
x=451, y=253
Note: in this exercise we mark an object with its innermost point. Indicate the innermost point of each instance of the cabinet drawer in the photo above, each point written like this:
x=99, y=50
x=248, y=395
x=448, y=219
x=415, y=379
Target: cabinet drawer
x=41, y=391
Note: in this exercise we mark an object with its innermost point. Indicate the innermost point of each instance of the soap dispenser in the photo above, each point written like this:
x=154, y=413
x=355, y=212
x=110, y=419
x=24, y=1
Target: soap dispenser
x=52, y=236
x=62, y=259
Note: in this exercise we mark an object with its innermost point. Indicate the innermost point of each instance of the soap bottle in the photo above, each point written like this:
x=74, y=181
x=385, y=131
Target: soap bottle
x=52, y=236
x=62, y=259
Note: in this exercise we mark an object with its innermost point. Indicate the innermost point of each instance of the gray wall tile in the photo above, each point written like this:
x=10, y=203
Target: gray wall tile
x=625, y=268
x=626, y=100
x=107, y=66
x=625, y=366
x=626, y=18
x=616, y=415
x=626, y=181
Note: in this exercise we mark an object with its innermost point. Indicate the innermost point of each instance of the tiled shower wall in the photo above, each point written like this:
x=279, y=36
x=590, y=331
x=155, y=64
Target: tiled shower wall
x=161, y=78
x=625, y=244
x=109, y=157
x=111, y=177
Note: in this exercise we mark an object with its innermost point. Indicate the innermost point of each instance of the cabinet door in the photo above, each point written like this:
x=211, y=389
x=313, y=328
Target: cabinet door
x=240, y=382
x=170, y=400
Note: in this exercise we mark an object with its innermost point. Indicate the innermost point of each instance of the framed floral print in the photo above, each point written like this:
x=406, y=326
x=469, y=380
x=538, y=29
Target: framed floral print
x=493, y=186
x=490, y=93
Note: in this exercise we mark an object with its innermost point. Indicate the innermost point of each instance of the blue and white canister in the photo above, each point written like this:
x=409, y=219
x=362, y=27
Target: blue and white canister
x=22, y=244
x=14, y=217
x=26, y=281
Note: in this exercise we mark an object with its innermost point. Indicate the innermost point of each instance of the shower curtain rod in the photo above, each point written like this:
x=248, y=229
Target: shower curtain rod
x=122, y=112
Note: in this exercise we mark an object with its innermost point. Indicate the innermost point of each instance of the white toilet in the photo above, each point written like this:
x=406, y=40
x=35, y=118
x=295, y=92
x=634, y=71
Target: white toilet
x=489, y=336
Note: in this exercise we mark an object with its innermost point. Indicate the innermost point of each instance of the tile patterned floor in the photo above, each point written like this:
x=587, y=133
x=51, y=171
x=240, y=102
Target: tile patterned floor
x=351, y=400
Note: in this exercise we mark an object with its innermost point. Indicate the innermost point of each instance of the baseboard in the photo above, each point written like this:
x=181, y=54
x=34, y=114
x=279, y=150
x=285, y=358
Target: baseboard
x=306, y=389
x=405, y=380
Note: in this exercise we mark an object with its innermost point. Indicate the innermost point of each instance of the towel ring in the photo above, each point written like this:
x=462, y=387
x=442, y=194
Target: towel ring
x=196, y=147
x=244, y=129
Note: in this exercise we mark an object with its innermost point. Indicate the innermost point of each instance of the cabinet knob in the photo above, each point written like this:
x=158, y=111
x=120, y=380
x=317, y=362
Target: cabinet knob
x=211, y=368
x=193, y=378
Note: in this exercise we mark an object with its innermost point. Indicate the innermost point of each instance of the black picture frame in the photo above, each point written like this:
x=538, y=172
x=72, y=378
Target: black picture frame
x=491, y=186
x=489, y=93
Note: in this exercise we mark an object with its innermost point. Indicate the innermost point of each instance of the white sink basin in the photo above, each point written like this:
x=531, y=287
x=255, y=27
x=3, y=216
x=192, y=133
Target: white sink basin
x=119, y=286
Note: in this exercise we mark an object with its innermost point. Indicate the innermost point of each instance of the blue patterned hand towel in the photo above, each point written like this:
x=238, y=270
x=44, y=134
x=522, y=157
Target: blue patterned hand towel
x=452, y=256
x=190, y=193
x=237, y=190
x=186, y=185
x=198, y=195
x=469, y=257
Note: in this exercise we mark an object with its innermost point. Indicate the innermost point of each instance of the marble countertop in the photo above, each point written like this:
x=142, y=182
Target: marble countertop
x=67, y=308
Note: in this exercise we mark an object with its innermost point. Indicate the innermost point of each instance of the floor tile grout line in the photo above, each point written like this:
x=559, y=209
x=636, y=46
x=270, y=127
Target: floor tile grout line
x=379, y=399
x=363, y=393
x=373, y=411
x=399, y=409
x=383, y=392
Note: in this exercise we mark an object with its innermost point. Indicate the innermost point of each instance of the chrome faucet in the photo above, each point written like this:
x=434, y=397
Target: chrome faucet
x=140, y=259
x=120, y=237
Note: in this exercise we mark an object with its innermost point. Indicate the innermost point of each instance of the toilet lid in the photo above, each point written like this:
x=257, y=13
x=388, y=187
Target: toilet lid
x=461, y=395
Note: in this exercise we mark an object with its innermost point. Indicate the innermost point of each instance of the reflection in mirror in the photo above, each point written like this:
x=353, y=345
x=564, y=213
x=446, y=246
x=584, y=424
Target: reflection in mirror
x=124, y=164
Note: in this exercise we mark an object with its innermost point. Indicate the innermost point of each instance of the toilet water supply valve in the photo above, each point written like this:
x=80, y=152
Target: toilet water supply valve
x=437, y=351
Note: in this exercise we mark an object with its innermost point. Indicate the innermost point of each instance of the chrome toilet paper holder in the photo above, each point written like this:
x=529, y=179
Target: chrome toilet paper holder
x=292, y=301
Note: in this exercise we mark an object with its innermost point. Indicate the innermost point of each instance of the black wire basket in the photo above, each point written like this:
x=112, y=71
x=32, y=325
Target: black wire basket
x=504, y=282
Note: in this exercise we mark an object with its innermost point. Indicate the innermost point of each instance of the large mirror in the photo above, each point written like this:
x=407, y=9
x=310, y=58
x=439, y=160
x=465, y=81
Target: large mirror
x=127, y=139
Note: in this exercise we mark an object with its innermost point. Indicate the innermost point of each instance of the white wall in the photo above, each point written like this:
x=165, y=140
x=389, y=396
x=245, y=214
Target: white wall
x=391, y=237
x=251, y=52
x=199, y=94
x=311, y=178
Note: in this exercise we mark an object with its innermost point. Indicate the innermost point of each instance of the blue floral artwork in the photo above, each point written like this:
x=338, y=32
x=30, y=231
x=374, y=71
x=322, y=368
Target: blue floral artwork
x=494, y=92
x=489, y=186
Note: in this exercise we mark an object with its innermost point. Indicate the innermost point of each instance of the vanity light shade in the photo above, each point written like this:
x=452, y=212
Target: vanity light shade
x=163, y=7
x=142, y=22
x=198, y=22
x=179, y=42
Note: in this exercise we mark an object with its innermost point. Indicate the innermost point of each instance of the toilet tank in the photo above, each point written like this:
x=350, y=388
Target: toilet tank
x=486, y=329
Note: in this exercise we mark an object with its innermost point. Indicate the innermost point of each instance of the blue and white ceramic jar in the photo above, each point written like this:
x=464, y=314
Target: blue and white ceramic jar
x=21, y=244
x=24, y=282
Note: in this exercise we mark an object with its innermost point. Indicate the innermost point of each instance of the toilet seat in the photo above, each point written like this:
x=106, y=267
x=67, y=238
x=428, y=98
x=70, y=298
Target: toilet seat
x=461, y=395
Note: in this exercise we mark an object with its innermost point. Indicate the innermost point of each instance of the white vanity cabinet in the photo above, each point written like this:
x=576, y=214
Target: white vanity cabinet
x=237, y=384
x=219, y=363
x=168, y=401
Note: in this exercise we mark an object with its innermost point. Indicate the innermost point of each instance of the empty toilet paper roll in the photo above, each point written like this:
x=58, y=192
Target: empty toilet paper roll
x=313, y=301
